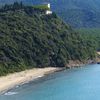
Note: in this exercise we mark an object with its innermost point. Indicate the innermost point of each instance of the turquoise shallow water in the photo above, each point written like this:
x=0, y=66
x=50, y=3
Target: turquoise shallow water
x=76, y=84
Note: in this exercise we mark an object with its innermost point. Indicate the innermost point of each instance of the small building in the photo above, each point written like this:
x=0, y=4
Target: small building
x=48, y=12
x=49, y=6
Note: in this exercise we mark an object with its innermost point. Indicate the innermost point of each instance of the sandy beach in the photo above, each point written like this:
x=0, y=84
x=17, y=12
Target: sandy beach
x=12, y=80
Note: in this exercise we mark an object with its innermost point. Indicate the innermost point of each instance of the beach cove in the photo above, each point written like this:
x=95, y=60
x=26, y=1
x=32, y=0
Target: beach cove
x=74, y=84
x=12, y=80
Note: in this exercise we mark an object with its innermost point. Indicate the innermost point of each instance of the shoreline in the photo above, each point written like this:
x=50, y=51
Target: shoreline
x=20, y=78
x=16, y=79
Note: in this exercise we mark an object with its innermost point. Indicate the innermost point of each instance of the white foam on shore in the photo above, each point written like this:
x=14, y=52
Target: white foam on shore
x=10, y=93
x=40, y=76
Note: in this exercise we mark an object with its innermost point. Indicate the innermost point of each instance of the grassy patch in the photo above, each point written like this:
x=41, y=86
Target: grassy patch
x=42, y=7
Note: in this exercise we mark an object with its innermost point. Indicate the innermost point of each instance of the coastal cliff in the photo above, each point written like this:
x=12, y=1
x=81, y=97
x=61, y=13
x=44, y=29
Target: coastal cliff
x=77, y=63
x=29, y=38
x=98, y=57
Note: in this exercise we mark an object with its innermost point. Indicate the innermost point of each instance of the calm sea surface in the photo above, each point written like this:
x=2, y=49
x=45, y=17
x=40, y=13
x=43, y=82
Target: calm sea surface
x=76, y=84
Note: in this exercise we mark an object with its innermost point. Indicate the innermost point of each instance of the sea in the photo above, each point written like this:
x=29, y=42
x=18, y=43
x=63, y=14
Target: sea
x=74, y=84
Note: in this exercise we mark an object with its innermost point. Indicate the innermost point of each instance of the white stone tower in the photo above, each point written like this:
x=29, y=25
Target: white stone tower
x=48, y=5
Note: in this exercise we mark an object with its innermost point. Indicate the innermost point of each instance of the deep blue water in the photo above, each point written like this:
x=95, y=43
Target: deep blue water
x=75, y=84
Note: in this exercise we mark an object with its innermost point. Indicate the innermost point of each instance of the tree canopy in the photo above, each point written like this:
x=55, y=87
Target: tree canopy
x=29, y=38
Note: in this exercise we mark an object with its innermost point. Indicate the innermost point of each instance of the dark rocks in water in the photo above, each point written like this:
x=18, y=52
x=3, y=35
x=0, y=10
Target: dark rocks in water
x=98, y=62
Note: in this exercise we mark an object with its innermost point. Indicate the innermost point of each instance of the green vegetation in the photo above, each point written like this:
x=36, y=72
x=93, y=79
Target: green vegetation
x=92, y=34
x=30, y=39
x=43, y=7
x=78, y=13
x=81, y=18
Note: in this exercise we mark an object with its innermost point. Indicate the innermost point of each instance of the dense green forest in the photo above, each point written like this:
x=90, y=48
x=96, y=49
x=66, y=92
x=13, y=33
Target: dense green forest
x=78, y=13
x=29, y=38
x=92, y=34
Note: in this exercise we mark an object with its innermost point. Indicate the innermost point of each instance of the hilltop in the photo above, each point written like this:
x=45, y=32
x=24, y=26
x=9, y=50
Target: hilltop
x=78, y=13
x=29, y=38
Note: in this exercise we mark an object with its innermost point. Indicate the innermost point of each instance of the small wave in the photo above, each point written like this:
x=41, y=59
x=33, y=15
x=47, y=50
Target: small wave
x=10, y=93
x=40, y=76
x=17, y=86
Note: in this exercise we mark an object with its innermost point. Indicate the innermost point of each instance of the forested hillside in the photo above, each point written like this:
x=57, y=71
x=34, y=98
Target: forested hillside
x=29, y=38
x=92, y=34
x=78, y=13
